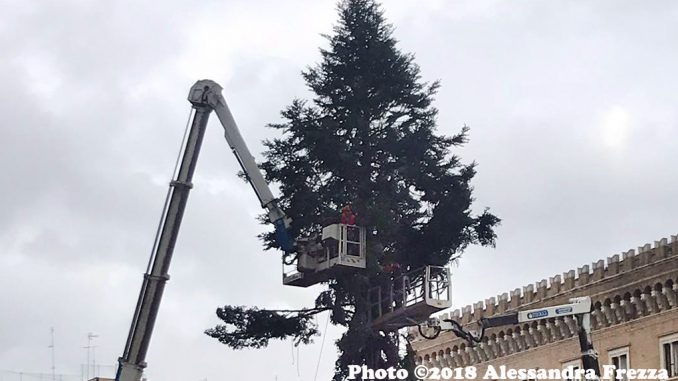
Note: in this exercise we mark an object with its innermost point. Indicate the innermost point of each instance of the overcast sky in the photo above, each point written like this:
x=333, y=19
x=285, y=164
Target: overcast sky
x=572, y=107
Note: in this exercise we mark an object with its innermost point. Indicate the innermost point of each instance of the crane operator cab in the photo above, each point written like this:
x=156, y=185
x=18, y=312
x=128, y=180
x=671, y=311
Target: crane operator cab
x=319, y=257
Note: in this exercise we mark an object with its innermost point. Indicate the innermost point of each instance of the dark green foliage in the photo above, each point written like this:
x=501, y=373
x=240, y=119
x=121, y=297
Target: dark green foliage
x=368, y=138
x=253, y=328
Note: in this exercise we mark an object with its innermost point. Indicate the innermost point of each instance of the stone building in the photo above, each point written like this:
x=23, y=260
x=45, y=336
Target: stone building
x=635, y=319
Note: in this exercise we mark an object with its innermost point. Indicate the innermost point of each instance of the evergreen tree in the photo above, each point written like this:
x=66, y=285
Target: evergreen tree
x=367, y=138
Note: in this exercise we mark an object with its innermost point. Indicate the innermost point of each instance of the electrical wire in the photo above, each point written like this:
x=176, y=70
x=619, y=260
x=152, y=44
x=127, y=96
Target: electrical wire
x=322, y=345
x=292, y=350
x=169, y=191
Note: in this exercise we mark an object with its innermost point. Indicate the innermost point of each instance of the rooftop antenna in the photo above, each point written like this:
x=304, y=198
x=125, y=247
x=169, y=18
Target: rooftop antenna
x=90, y=337
x=51, y=346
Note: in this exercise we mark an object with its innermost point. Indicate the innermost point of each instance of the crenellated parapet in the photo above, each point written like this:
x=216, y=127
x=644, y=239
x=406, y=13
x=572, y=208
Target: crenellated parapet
x=521, y=338
x=623, y=287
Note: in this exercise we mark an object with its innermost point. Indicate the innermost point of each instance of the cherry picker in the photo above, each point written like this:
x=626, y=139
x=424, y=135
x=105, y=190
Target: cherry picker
x=205, y=96
x=341, y=245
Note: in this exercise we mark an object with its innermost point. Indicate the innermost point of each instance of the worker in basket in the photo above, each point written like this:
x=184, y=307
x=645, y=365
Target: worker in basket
x=396, y=295
x=347, y=215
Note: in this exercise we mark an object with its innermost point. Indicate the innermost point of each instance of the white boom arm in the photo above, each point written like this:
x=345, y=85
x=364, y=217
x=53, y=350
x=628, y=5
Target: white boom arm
x=209, y=92
x=578, y=307
x=205, y=96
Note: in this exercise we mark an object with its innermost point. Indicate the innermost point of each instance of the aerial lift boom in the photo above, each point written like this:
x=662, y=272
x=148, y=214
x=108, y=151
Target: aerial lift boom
x=580, y=308
x=209, y=92
x=205, y=96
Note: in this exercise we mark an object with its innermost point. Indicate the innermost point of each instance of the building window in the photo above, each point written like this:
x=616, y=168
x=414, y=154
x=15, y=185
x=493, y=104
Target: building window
x=619, y=358
x=668, y=349
x=574, y=365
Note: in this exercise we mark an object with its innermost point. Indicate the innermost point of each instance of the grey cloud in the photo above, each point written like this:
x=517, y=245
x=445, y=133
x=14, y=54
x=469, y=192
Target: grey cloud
x=94, y=106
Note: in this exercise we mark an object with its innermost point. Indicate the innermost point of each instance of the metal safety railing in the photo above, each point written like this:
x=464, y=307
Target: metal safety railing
x=429, y=285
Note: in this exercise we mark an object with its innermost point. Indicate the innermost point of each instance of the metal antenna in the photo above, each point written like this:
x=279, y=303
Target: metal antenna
x=90, y=337
x=51, y=346
x=86, y=365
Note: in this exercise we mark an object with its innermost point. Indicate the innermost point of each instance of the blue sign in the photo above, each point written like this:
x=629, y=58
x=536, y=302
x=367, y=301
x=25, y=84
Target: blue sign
x=563, y=310
x=538, y=314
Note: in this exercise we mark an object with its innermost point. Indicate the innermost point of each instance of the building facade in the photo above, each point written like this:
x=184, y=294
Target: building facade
x=634, y=318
